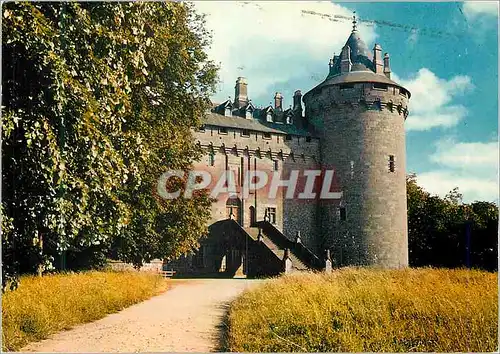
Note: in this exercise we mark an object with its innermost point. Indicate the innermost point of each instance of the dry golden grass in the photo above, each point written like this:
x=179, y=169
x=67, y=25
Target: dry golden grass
x=41, y=306
x=369, y=310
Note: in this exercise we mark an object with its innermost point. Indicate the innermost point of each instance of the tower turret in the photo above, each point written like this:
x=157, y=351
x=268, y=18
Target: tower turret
x=360, y=113
x=387, y=68
x=378, y=63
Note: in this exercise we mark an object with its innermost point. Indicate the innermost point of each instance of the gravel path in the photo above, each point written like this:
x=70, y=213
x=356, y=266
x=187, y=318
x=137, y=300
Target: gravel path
x=185, y=318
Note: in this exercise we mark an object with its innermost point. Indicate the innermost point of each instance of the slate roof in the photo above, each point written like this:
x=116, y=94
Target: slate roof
x=356, y=76
x=218, y=120
x=362, y=69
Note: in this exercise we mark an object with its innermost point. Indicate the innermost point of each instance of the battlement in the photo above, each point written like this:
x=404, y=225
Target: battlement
x=366, y=95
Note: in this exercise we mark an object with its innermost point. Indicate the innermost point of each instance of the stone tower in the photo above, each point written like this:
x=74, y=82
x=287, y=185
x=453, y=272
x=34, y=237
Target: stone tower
x=359, y=113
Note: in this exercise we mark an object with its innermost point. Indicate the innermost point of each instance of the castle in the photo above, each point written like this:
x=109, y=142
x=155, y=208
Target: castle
x=351, y=123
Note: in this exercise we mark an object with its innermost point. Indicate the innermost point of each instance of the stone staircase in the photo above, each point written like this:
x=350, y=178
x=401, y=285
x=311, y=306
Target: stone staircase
x=297, y=264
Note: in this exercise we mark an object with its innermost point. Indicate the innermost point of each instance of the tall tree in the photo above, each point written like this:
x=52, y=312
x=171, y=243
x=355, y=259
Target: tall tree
x=98, y=100
x=445, y=232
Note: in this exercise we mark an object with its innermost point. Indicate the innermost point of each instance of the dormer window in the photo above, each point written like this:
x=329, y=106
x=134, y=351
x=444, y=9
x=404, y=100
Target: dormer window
x=269, y=117
x=227, y=111
x=248, y=114
x=346, y=86
x=380, y=86
x=288, y=120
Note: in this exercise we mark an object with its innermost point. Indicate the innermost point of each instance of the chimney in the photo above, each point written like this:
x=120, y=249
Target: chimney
x=278, y=101
x=387, y=68
x=377, y=59
x=240, y=92
x=345, y=60
x=297, y=101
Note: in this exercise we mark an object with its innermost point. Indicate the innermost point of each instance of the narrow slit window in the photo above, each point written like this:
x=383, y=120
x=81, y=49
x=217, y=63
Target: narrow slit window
x=342, y=214
x=276, y=165
x=391, y=163
x=211, y=159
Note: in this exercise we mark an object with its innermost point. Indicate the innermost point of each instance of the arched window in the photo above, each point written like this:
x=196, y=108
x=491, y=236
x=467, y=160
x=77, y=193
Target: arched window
x=253, y=216
x=233, y=209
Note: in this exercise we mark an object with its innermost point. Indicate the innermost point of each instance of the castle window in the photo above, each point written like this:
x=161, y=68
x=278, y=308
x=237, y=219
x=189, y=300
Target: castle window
x=308, y=139
x=391, y=163
x=211, y=159
x=288, y=137
x=402, y=92
x=245, y=133
x=276, y=165
x=342, y=214
x=223, y=130
x=379, y=86
x=346, y=86
x=271, y=214
x=201, y=128
x=267, y=136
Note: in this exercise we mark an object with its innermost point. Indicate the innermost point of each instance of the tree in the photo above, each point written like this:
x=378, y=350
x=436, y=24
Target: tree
x=99, y=99
x=445, y=232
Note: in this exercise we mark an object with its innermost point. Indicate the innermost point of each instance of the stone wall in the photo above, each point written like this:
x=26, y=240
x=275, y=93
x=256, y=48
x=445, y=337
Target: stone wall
x=154, y=266
x=258, y=152
x=361, y=128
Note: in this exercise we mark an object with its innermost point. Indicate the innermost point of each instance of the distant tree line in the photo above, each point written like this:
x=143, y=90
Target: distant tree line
x=98, y=101
x=445, y=232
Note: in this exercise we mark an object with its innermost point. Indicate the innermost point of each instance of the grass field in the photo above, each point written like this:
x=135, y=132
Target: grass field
x=368, y=310
x=41, y=306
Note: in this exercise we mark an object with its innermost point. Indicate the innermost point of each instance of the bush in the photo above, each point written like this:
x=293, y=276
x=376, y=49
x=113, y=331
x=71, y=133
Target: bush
x=368, y=310
x=45, y=305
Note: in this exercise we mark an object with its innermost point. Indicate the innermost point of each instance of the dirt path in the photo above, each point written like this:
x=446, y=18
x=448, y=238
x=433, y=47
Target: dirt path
x=185, y=318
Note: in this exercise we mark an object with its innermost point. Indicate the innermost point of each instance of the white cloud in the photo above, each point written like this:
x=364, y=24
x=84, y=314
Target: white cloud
x=472, y=188
x=472, y=155
x=270, y=42
x=475, y=9
x=470, y=166
x=431, y=101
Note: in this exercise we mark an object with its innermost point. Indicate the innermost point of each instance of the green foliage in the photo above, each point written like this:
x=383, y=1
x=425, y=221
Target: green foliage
x=445, y=232
x=99, y=99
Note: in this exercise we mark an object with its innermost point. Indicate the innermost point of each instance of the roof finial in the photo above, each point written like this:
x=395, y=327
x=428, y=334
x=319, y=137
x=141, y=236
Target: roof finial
x=354, y=22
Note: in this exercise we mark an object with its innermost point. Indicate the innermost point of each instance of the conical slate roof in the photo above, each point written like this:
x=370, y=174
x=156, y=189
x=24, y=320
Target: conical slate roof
x=358, y=48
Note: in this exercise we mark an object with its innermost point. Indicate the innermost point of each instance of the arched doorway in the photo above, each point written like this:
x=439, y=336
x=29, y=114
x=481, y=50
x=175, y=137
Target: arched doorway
x=233, y=207
x=253, y=216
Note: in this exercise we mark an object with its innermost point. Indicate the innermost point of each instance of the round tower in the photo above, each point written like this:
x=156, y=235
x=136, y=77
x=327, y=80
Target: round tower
x=360, y=112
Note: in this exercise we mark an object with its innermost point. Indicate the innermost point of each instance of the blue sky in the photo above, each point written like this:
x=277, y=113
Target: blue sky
x=446, y=54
